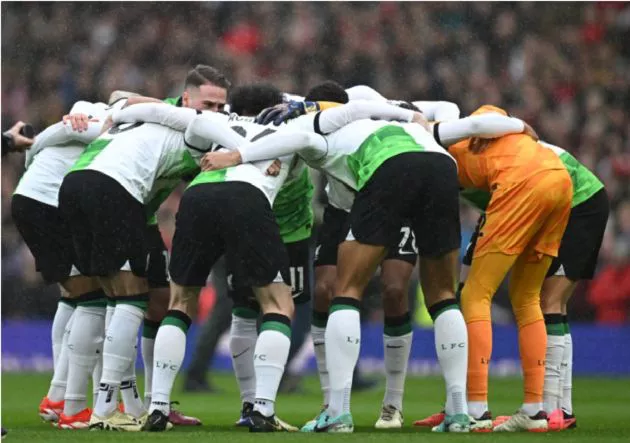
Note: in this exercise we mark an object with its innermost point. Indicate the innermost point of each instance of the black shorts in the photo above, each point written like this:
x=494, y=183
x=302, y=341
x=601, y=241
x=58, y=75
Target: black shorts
x=470, y=249
x=334, y=231
x=579, y=249
x=419, y=187
x=300, y=273
x=108, y=224
x=157, y=270
x=577, y=257
x=231, y=218
x=47, y=235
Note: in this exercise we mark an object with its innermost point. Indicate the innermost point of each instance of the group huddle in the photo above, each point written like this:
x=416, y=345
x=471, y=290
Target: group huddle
x=395, y=171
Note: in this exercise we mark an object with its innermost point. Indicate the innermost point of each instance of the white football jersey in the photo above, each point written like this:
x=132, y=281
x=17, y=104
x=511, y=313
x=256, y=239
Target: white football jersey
x=143, y=158
x=254, y=173
x=54, y=152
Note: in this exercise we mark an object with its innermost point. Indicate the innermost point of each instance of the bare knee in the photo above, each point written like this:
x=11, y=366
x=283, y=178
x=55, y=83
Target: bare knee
x=275, y=299
x=159, y=299
x=324, y=287
x=79, y=285
x=395, y=298
x=184, y=299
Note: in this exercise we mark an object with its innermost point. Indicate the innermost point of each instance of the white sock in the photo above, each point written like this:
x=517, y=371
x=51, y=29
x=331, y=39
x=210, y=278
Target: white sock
x=396, y=350
x=531, y=409
x=343, y=343
x=147, y=345
x=85, y=344
x=96, y=378
x=98, y=370
x=567, y=377
x=62, y=317
x=553, y=363
x=451, y=346
x=57, y=390
x=170, y=347
x=319, y=343
x=270, y=358
x=109, y=311
x=243, y=336
x=132, y=401
x=119, y=352
x=477, y=408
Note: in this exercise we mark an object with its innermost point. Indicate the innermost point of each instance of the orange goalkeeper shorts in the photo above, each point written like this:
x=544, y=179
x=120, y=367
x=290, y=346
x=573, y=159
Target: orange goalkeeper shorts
x=532, y=215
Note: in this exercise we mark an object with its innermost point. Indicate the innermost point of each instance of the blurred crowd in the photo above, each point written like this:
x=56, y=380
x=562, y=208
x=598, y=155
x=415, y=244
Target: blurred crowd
x=562, y=67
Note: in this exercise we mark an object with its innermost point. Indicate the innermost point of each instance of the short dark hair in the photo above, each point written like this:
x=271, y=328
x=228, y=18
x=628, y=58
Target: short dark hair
x=204, y=74
x=249, y=100
x=329, y=91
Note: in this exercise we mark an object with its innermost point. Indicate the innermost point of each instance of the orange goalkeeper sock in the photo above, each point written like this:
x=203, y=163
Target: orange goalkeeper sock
x=479, y=351
x=532, y=341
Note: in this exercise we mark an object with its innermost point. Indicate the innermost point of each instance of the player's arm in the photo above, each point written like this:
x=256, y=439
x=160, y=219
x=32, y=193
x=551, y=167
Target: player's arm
x=363, y=92
x=333, y=119
x=160, y=113
x=432, y=110
x=277, y=145
x=489, y=125
x=211, y=128
x=438, y=110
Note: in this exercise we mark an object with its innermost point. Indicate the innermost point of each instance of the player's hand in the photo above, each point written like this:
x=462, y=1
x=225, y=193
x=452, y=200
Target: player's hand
x=287, y=112
x=274, y=169
x=20, y=142
x=419, y=118
x=478, y=144
x=79, y=122
x=268, y=115
x=530, y=131
x=214, y=161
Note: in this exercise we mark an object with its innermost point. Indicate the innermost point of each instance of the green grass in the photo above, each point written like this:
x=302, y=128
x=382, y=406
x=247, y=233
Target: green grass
x=602, y=410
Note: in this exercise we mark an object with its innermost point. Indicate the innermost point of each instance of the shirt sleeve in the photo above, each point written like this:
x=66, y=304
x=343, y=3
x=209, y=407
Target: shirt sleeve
x=209, y=128
x=335, y=118
x=160, y=113
x=438, y=110
x=489, y=125
x=308, y=145
x=61, y=134
x=362, y=92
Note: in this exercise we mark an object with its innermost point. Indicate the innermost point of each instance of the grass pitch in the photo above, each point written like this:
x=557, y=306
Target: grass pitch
x=602, y=412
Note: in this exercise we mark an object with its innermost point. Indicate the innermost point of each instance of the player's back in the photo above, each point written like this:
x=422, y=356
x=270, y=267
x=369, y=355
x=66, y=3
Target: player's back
x=505, y=161
x=254, y=173
x=135, y=154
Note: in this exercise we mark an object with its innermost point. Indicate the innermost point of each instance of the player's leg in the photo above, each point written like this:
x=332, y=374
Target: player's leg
x=84, y=347
x=117, y=227
x=48, y=237
x=555, y=290
x=301, y=273
x=271, y=354
x=526, y=282
x=159, y=294
x=357, y=264
x=196, y=248
x=258, y=259
x=210, y=331
x=578, y=254
x=119, y=354
x=243, y=336
x=485, y=275
x=397, y=334
x=552, y=193
x=438, y=418
x=434, y=215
